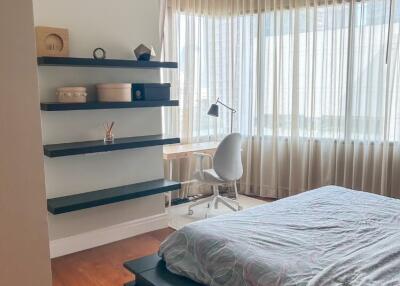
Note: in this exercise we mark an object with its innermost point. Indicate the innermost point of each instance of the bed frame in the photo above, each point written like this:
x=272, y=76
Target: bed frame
x=151, y=271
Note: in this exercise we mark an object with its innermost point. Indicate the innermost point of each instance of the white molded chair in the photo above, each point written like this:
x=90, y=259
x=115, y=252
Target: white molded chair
x=226, y=169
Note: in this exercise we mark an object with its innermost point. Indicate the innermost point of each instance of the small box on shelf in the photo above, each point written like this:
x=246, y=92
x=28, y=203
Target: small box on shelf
x=114, y=92
x=150, y=91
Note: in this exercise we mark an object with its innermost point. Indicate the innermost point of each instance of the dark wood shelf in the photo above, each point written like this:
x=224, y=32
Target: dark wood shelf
x=109, y=63
x=108, y=196
x=54, y=106
x=86, y=147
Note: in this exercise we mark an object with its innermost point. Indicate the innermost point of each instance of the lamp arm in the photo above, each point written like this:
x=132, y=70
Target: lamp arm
x=230, y=108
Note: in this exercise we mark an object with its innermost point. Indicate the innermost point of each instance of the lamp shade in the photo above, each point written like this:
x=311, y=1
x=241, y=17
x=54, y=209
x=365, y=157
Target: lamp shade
x=213, y=111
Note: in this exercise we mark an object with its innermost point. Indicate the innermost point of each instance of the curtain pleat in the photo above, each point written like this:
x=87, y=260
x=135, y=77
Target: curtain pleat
x=317, y=101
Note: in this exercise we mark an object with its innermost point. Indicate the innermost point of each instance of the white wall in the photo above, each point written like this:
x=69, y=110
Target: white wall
x=24, y=243
x=118, y=27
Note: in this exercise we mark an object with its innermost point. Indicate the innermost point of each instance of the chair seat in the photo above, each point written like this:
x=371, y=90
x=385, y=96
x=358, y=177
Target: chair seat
x=209, y=176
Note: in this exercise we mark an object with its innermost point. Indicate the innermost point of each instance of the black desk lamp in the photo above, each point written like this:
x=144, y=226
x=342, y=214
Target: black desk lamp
x=214, y=110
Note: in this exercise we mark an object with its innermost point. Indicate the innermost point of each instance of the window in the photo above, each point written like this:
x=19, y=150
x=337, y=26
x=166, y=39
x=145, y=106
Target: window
x=317, y=72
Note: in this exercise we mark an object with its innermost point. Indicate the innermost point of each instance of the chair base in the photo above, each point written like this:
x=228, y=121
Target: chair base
x=213, y=202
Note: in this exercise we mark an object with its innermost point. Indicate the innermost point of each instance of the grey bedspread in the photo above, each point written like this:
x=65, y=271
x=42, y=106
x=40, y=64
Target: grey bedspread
x=327, y=236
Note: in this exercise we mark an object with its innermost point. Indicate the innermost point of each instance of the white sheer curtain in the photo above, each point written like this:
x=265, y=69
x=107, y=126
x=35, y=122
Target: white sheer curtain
x=316, y=85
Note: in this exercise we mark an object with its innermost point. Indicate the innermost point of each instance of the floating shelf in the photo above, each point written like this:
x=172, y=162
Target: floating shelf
x=54, y=106
x=86, y=147
x=111, y=63
x=108, y=196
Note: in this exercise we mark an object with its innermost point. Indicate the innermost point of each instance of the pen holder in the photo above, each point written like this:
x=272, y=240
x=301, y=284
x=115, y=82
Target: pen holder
x=109, y=137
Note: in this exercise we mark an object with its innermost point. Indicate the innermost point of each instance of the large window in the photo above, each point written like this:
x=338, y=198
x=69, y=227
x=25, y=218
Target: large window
x=316, y=84
x=317, y=72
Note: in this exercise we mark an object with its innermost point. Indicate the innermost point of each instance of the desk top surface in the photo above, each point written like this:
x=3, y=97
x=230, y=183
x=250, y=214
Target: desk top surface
x=182, y=149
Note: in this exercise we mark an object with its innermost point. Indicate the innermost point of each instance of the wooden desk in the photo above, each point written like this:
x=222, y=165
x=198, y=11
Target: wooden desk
x=179, y=151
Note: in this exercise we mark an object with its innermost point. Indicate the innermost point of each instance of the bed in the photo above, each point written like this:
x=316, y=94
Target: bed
x=327, y=236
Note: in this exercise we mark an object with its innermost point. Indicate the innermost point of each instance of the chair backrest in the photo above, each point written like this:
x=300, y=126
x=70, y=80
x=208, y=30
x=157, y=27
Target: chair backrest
x=228, y=159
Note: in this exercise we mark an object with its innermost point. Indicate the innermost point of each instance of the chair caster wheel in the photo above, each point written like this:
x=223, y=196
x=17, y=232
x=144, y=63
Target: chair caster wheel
x=240, y=208
x=190, y=212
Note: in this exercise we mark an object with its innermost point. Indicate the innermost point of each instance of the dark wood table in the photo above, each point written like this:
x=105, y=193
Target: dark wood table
x=151, y=271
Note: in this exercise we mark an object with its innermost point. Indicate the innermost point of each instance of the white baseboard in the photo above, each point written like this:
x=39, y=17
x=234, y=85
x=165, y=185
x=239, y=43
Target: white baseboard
x=86, y=240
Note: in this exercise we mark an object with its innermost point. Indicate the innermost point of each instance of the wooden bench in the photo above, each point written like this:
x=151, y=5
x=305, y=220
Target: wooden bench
x=151, y=271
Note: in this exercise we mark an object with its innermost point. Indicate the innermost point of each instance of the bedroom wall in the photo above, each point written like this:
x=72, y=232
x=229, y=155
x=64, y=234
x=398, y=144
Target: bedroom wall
x=118, y=27
x=24, y=243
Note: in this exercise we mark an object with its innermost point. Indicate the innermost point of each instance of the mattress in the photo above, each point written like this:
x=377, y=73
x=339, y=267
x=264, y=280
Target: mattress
x=327, y=236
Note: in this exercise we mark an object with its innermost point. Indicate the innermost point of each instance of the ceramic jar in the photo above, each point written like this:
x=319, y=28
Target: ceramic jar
x=71, y=94
x=114, y=92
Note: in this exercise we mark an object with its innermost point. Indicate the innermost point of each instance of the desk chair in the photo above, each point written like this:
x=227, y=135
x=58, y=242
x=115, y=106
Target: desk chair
x=226, y=169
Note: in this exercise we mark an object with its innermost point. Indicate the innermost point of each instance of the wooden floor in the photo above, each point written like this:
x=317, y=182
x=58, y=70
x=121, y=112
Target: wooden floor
x=102, y=266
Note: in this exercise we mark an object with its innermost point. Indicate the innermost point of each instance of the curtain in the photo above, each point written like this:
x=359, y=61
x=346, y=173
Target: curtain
x=316, y=85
